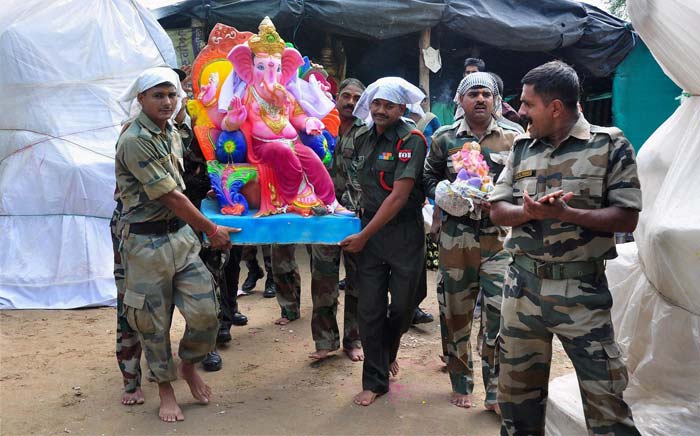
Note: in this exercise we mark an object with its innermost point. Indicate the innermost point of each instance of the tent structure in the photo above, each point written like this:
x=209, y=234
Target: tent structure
x=654, y=281
x=596, y=40
x=367, y=40
x=64, y=65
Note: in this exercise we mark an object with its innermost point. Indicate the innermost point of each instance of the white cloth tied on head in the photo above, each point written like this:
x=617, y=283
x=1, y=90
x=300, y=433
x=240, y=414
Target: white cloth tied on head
x=415, y=108
x=393, y=89
x=147, y=80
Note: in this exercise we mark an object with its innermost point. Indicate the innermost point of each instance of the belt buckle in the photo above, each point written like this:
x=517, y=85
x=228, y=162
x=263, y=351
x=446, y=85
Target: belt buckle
x=541, y=269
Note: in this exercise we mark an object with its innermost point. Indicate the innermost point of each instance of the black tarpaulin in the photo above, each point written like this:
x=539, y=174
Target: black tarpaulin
x=375, y=19
x=515, y=25
x=585, y=35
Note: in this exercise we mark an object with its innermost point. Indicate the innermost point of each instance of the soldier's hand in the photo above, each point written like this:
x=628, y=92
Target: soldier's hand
x=435, y=230
x=353, y=243
x=553, y=208
x=221, y=239
x=553, y=196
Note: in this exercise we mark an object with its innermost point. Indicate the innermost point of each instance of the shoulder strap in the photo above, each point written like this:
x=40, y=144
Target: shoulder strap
x=423, y=123
x=412, y=132
x=382, y=182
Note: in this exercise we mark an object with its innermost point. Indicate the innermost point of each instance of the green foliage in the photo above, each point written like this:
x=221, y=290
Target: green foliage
x=618, y=7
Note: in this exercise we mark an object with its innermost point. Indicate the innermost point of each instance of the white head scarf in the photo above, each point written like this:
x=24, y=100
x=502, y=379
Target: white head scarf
x=477, y=80
x=147, y=80
x=415, y=108
x=393, y=89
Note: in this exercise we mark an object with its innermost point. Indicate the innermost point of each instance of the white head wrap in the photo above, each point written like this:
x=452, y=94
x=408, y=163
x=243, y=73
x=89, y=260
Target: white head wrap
x=415, y=108
x=477, y=80
x=147, y=80
x=393, y=89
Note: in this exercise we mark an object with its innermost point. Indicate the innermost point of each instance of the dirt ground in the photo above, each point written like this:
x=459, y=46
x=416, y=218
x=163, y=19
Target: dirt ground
x=58, y=376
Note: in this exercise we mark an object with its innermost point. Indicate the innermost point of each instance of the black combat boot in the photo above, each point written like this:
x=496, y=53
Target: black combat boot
x=270, y=290
x=212, y=362
x=255, y=273
x=421, y=317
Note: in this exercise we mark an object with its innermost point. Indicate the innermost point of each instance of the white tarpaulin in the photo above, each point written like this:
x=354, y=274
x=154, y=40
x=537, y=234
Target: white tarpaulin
x=656, y=282
x=64, y=64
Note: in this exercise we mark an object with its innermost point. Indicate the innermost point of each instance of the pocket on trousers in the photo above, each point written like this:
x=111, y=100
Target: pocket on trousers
x=617, y=371
x=139, y=319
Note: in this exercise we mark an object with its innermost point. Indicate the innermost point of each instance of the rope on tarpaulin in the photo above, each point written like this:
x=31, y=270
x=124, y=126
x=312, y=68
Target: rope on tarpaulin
x=62, y=137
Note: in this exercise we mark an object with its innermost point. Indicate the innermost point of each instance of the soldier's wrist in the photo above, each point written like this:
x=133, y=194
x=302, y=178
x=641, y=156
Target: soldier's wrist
x=213, y=231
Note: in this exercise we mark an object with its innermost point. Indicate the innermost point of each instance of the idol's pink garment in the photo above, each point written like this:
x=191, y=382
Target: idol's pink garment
x=290, y=165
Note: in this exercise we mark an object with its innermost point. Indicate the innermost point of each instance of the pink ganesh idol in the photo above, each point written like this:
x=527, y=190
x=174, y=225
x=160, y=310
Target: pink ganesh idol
x=266, y=110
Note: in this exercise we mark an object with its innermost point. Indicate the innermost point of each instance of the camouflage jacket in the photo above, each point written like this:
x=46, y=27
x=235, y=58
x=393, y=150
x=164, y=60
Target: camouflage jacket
x=596, y=163
x=148, y=164
x=347, y=188
x=448, y=140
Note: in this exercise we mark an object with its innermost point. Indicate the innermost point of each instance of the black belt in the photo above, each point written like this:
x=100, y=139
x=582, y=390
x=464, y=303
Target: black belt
x=482, y=223
x=559, y=270
x=157, y=227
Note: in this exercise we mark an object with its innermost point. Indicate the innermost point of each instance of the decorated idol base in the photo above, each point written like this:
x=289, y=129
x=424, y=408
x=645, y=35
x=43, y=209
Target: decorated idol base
x=286, y=228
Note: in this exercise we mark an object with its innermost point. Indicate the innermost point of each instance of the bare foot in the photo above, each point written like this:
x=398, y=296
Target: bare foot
x=365, y=398
x=320, y=354
x=494, y=408
x=461, y=400
x=131, y=398
x=200, y=390
x=394, y=368
x=282, y=321
x=355, y=354
x=169, y=410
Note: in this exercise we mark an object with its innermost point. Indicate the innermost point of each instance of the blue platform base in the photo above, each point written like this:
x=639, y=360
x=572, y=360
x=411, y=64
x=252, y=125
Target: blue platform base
x=287, y=228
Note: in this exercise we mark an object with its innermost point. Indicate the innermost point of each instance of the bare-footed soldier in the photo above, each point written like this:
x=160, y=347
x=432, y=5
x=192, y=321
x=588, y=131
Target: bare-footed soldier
x=159, y=249
x=388, y=160
x=128, y=346
x=325, y=259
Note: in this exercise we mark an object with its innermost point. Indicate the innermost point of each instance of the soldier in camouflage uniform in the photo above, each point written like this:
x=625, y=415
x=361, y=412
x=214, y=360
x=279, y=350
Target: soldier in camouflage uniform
x=287, y=282
x=159, y=250
x=566, y=188
x=325, y=259
x=472, y=257
x=128, y=349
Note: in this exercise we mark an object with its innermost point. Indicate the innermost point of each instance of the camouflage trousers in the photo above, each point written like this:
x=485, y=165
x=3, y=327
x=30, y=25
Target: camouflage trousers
x=471, y=259
x=325, y=273
x=250, y=253
x=285, y=273
x=128, y=348
x=578, y=312
x=162, y=271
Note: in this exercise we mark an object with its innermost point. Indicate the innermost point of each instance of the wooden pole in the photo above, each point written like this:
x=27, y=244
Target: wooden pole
x=423, y=71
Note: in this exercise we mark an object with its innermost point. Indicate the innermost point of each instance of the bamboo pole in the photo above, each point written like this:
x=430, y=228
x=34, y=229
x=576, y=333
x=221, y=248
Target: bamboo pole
x=423, y=71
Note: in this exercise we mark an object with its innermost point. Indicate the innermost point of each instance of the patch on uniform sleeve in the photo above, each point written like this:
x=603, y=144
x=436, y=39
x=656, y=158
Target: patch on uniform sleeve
x=523, y=174
x=405, y=155
x=387, y=155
